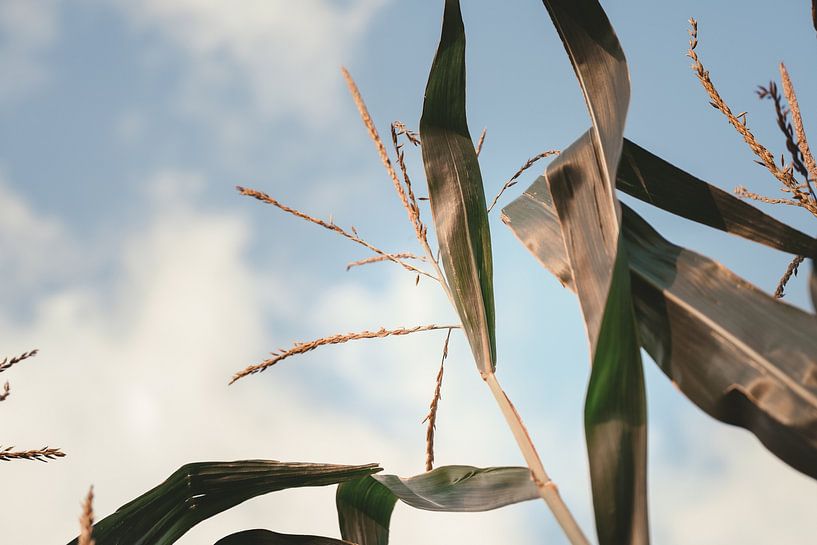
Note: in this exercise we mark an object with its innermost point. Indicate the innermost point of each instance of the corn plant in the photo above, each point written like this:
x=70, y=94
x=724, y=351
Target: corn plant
x=743, y=356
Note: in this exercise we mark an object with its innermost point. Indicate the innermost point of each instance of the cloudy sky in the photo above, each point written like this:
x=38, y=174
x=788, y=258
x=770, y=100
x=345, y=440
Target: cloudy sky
x=145, y=280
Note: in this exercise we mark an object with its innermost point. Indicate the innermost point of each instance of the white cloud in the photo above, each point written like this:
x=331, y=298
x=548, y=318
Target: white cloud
x=284, y=56
x=27, y=29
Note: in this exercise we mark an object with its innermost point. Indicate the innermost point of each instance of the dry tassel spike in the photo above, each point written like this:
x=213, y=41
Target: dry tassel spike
x=7, y=363
x=431, y=417
x=742, y=192
x=300, y=348
x=767, y=159
x=263, y=197
x=411, y=136
x=781, y=111
x=410, y=205
x=802, y=142
x=381, y=258
x=381, y=150
x=41, y=455
x=513, y=179
x=481, y=141
x=86, y=520
x=420, y=230
x=791, y=270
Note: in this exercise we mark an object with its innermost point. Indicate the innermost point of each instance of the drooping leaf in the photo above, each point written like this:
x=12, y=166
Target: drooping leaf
x=741, y=355
x=364, y=511
x=653, y=180
x=365, y=505
x=582, y=182
x=456, y=193
x=197, y=491
x=267, y=537
x=463, y=488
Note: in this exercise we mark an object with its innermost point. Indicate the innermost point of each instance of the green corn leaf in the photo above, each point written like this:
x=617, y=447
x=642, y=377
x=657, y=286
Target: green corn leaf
x=197, y=491
x=365, y=505
x=655, y=181
x=456, y=193
x=739, y=354
x=364, y=511
x=462, y=488
x=582, y=182
x=267, y=537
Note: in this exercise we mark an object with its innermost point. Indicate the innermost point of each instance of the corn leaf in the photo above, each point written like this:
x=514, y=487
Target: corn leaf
x=267, y=537
x=365, y=505
x=739, y=354
x=364, y=511
x=462, y=488
x=456, y=193
x=198, y=491
x=653, y=180
x=812, y=285
x=582, y=182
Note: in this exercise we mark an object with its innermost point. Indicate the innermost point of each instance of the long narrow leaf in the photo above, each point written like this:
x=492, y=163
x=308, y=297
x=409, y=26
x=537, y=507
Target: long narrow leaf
x=267, y=537
x=463, y=488
x=365, y=505
x=741, y=355
x=197, y=491
x=456, y=193
x=812, y=283
x=653, y=180
x=364, y=511
x=582, y=182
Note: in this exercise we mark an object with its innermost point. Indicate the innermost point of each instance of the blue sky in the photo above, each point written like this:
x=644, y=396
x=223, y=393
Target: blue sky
x=146, y=280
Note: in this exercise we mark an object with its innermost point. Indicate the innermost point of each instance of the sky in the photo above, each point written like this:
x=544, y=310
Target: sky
x=146, y=281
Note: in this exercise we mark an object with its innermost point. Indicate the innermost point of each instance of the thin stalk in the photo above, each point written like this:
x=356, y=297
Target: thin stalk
x=547, y=488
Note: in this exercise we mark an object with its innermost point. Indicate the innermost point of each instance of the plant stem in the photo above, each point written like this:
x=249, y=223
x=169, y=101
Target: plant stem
x=547, y=488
